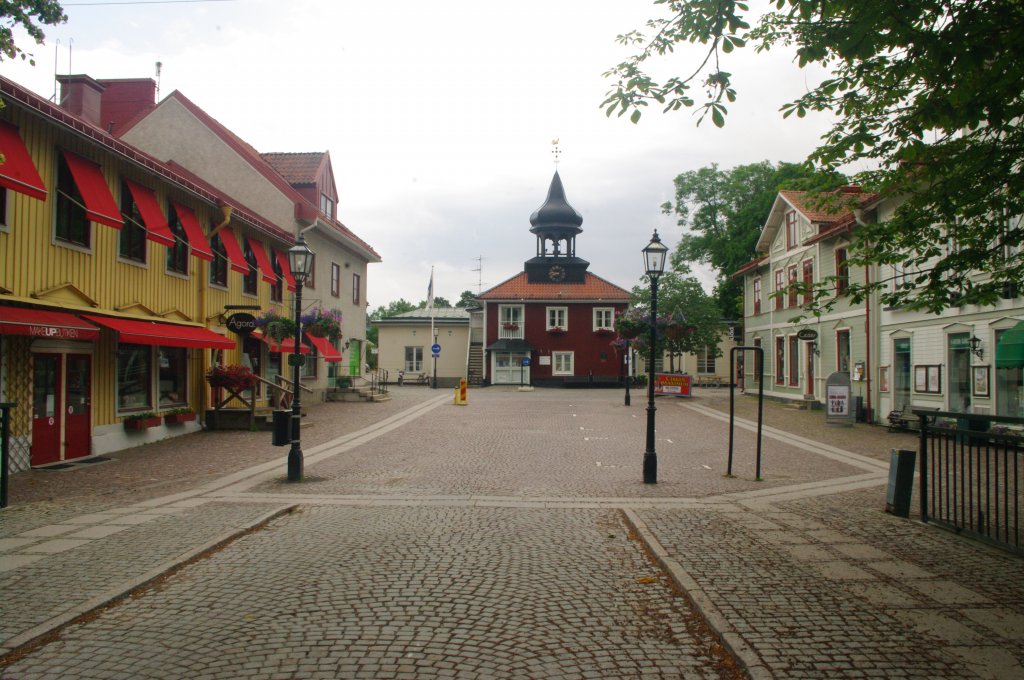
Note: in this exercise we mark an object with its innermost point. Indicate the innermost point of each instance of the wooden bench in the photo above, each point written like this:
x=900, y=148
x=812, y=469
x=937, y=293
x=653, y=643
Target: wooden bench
x=709, y=381
x=416, y=379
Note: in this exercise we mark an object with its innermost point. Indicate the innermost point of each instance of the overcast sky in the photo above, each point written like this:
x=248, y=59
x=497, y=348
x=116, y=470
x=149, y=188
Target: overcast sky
x=439, y=116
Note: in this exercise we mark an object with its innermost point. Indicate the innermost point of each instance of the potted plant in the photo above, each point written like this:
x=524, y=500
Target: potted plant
x=141, y=421
x=631, y=324
x=234, y=377
x=323, y=323
x=275, y=325
x=179, y=416
x=510, y=326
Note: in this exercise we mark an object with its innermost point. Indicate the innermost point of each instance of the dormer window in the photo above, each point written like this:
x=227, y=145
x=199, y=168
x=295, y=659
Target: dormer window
x=791, y=233
x=327, y=206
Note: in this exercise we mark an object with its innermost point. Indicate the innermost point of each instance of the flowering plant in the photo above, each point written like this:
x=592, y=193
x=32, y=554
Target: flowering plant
x=324, y=323
x=510, y=326
x=275, y=325
x=235, y=378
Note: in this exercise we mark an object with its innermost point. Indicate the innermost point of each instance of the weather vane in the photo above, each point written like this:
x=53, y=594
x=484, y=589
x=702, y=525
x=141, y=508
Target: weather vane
x=556, y=152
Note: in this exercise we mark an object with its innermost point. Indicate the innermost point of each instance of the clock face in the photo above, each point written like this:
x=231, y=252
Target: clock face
x=556, y=273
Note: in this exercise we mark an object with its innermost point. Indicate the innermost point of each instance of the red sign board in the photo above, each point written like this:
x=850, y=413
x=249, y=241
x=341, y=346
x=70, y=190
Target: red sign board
x=672, y=384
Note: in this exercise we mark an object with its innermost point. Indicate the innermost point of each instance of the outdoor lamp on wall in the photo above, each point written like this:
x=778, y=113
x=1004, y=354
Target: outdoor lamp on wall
x=300, y=259
x=654, y=264
x=976, y=346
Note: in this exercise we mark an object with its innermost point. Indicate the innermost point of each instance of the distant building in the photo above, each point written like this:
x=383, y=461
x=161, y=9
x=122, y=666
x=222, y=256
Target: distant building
x=404, y=346
x=552, y=324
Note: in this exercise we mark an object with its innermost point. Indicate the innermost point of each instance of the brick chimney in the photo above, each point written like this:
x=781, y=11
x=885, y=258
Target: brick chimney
x=124, y=100
x=81, y=95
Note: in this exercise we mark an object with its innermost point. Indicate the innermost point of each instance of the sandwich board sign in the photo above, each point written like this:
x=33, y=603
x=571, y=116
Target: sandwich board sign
x=838, y=406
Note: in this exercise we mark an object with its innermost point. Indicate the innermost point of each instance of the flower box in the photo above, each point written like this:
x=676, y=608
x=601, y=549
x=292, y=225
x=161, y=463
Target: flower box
x=178, y=418
x=605, y=331
x=556, y=330
x=510, y=326
x=139, y=423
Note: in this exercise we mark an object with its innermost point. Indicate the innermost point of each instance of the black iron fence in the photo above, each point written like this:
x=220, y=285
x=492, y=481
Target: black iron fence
x=378, y=381
x=971, y=475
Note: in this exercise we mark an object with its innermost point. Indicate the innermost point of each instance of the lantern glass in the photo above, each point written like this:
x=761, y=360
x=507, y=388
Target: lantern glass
x=654, y=256
x=300, y=259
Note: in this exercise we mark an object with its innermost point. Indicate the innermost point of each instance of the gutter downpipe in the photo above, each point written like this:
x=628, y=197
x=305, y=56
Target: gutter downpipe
x=204, y=284
x=858, y=216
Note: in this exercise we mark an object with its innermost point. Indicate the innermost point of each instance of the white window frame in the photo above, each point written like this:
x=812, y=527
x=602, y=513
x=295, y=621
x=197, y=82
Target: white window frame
x=557, y=363
x=417, y=358
x=608, y=322
x=510, y=314
x=557, y=317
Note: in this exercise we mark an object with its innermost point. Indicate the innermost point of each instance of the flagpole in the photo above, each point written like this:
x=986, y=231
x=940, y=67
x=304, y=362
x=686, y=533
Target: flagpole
x=433, y=331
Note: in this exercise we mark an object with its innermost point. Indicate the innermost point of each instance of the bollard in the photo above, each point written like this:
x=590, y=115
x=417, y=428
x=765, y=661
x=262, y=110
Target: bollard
x=901, y=481
x=462, y=391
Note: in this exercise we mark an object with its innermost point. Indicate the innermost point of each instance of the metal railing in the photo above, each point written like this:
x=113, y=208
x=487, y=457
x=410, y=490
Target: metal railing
x=972, y=475
x=378, y=381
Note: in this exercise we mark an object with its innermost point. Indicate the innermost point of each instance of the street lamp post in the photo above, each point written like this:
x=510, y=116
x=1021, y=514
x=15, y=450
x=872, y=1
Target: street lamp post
x=625, y=360
x=435, y=360
x=300, y=259
x=654, y=264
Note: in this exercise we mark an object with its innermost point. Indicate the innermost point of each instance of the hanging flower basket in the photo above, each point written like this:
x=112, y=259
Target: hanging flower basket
x=276, y=326
x=631, y=324
x=141, y=421
x=235, y=378
x=323, y=323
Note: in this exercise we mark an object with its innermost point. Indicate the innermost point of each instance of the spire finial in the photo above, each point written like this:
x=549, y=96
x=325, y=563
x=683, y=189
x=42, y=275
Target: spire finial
x=555, y=151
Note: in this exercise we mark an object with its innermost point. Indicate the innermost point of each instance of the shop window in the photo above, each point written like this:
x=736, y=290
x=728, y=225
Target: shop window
x=134, y=377
x=71, y=224
x=173, y=371
x=1009, y=387
x=794, y=361
x=780, y=360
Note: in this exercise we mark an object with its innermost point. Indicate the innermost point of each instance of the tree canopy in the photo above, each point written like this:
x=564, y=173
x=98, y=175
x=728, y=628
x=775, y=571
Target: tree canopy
x=722, y=213
x=29, y=14
x=929, y=95
x=682, y=296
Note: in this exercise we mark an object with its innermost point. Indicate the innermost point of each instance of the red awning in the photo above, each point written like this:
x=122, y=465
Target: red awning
x=164, y=334
x=324, y=346
x=274, y=346
x=43, y=323
x=235, y=255
x=196, y=238
x=286, y=269
x=156, y=224
x=262, y=260
x=18, y=172
x=100, y=205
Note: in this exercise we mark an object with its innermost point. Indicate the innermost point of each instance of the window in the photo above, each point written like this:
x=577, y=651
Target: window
x=808, y=281
x=757, y=296
x=335, y=279
x=71, y=224
x=309, y=368
x=842, y=272
x=131, y=240
x=706, y=359
x=356, y=284
x=758, y=361
x=780, y=360
x=843, y=351
x=3, y=209
x=558, y=317
x=134, y=377
x=327, y=206
x=177, y=255
x=251, y=279
x=604, y=318
x=792, y=286
x=791, y=235
x=277, y=287
x=794, y=361
x=778, y=290
x=413, y=359
x=173, y=371
x=311, y=279
x=561, y=363
x=219, y=264
x=1009, y=386
x=510, y=321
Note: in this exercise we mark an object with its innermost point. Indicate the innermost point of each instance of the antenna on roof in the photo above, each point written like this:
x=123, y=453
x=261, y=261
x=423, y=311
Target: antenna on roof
x=480, y=277
x=556, y=152
x=159, y=68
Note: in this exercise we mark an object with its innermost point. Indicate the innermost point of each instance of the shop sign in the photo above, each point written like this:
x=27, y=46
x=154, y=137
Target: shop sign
x=242, y=323
x=54, y=332
x=672, y=384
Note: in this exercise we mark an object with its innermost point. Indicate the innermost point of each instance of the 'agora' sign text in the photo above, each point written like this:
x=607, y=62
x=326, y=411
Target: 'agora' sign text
x=242, y=323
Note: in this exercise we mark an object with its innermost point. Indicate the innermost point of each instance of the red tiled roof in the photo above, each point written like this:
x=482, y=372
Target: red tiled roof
x=519, y=288
x=749, y=266
x=297, y=168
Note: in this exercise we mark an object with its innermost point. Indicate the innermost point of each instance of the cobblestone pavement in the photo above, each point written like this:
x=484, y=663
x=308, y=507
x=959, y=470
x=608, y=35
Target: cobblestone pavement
x=511, y=537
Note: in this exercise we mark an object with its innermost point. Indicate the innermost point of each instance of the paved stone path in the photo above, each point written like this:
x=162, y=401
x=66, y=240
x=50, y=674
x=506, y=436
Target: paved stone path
x=511, y=538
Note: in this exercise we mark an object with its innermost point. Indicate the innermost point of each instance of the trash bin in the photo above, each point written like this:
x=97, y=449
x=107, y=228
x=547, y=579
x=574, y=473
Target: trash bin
x=901, y=482
x=282, y=425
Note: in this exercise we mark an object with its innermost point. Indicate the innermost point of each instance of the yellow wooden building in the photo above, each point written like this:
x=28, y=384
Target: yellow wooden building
x=118, y=273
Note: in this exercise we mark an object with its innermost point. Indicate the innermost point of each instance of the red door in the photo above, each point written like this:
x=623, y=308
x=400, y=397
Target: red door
x=77, y=411
x=46, y=409
x=809, y=390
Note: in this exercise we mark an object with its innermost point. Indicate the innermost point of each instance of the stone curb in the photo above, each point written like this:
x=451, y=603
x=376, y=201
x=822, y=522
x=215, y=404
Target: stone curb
x=38, y=634
x=732, y=640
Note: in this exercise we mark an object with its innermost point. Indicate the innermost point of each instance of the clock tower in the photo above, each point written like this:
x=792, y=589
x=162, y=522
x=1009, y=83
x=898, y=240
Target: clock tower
x=556, y=224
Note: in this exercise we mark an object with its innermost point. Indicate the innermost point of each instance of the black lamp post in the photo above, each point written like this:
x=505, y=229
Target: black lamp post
x=434, y=387
x=300, y=259
x=625, y=360
x=654, y=264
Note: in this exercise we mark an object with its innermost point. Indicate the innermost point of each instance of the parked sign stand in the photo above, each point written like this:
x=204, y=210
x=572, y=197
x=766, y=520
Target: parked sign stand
x=672, y=384
x=838, y=407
